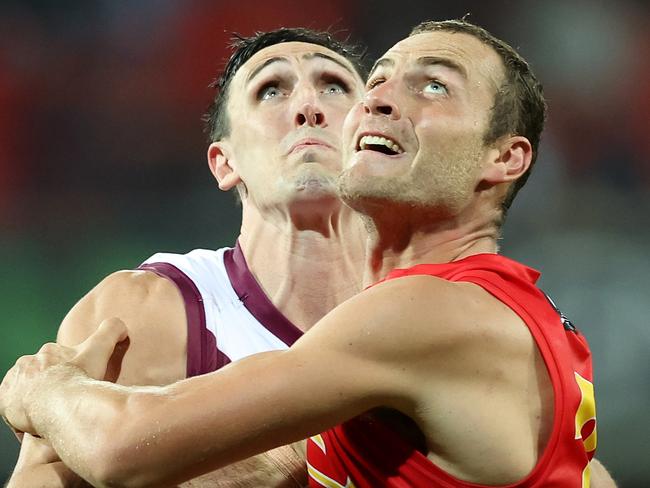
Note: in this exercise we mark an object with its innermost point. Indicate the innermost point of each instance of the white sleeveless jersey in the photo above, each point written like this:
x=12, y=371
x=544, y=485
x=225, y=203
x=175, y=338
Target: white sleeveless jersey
x=228, y=314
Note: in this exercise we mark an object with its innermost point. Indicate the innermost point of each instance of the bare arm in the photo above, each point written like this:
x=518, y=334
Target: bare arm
x=39, y=465
x=600, y=477
x=393, y=346
x=153, y=436
x=150, y=306
x=155, y=314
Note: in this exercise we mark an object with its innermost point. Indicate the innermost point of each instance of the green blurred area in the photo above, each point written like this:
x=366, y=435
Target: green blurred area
x=44, y=272
x=37, y=289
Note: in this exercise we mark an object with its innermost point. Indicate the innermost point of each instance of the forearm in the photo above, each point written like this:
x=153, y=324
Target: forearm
x=39, y=465
x=156, y=436
x=78, y=417
x=112, y=435
x=279, y=468
x=49, y=475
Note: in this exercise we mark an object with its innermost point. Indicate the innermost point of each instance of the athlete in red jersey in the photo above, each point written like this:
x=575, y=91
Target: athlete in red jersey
x=366, y=453
x=461, y=355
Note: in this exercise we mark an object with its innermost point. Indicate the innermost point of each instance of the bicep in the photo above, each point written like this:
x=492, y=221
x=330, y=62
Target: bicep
x=341, y=368
x=152, y=309
x=368, y=352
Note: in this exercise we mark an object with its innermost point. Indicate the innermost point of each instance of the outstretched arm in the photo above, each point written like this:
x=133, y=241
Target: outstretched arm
x=153, y=436
x=150, y=436
x=155, y=314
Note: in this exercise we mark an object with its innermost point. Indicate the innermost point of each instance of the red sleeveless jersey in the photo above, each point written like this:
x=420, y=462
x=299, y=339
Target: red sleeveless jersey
x=366, y=453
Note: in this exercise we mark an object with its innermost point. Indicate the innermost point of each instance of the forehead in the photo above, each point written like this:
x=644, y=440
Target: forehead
x=291, y=51
x=477, y=58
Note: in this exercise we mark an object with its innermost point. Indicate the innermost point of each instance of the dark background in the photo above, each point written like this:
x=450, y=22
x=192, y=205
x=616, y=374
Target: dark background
x=102, y=161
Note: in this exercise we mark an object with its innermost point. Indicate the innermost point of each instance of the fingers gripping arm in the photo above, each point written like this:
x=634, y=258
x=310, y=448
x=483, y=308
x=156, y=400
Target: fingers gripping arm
x=143, y=301
x=154, y=436
x=150, y=305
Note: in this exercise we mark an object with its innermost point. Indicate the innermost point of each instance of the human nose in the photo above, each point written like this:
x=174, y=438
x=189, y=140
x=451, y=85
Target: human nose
x=379, y=102
x=309, y=112
x=310, y=115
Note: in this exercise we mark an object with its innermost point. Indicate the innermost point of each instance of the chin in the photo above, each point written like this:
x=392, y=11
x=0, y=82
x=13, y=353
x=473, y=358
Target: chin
x=363, y=193
x=314, y=193
x=373, y=195
x=314, y=197
x=315, y=182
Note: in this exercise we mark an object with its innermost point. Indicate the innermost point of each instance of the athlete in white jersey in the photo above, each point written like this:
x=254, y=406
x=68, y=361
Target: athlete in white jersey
x=275, y=129
x=228, y=314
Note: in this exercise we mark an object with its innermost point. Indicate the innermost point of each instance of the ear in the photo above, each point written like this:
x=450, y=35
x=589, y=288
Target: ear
x=511, y=159
x=222, y=165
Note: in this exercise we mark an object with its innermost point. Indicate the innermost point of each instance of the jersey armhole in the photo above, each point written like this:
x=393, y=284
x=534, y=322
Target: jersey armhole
x=202, y=354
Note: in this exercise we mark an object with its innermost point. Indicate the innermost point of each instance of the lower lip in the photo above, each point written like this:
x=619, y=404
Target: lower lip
x=368, y=151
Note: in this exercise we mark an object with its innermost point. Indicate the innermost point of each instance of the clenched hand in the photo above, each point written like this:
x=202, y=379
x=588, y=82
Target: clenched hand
x=43, y=370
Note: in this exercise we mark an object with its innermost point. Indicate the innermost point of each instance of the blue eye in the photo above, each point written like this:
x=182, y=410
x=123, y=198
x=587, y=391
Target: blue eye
x=269, y=92
x=332, y=88
x=435, y=87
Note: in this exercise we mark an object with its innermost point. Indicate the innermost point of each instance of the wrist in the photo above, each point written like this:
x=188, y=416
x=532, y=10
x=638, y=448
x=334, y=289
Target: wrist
x=45, y=392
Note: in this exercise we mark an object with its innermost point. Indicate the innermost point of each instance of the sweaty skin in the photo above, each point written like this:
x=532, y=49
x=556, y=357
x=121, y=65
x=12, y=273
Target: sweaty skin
x=292, y=219
x=419, y=346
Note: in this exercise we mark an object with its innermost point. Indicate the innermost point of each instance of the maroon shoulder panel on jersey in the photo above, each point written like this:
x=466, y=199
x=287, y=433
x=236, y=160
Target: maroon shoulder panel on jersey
x=203, y=356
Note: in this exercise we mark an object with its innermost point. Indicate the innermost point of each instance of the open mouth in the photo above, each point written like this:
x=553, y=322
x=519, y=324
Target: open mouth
x=380, y=144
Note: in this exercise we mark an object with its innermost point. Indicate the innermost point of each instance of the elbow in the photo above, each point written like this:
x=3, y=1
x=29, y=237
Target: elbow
x=115, y=460
x=121, y=455
x=116, y=464
x=110, y=463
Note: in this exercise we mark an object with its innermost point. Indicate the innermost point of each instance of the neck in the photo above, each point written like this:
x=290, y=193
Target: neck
x=306, y=266
x=402, y=237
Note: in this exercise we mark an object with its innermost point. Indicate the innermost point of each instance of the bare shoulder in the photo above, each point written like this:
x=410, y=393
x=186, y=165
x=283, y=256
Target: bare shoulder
x=154, y=312
x=421, y=331
x=464, y=347
x=456, y=329
x=423, y=312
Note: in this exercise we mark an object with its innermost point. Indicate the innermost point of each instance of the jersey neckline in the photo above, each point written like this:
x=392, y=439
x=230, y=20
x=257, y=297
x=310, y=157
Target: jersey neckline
x=252, y=296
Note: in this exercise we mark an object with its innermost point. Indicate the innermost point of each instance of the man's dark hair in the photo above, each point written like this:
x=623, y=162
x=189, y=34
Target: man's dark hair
x=217, y=123
x=519, y=107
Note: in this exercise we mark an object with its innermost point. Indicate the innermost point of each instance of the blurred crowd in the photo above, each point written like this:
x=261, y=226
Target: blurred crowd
x=93, y=93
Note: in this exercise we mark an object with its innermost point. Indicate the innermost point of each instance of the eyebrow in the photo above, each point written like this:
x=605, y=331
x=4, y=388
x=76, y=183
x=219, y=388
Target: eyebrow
x=254, y=73
x=379, y=63
x=448, y=63
x=280, y=59
x=329, y=58
x=424, y=61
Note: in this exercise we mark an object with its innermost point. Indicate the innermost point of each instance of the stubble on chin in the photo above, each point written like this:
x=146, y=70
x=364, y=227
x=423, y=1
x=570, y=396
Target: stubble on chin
x=315, y=182
x=444, y=184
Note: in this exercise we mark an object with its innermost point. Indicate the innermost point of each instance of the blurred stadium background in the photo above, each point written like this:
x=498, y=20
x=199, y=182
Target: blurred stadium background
x=102, y=161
